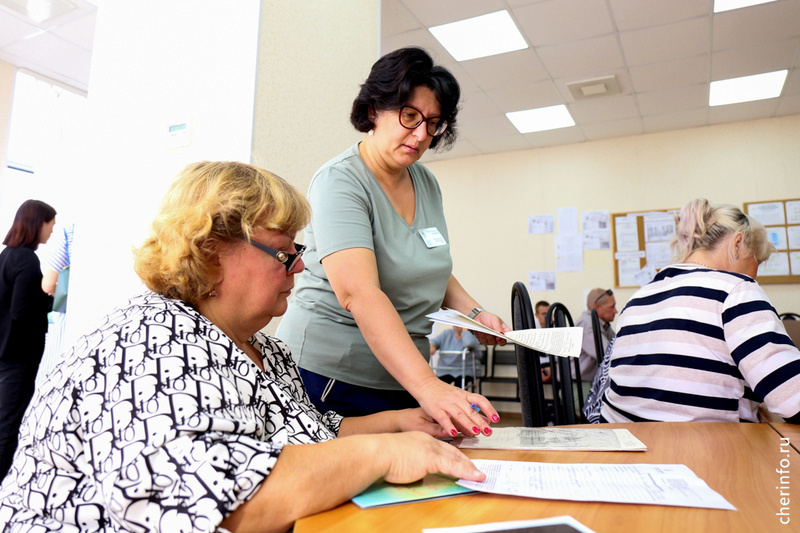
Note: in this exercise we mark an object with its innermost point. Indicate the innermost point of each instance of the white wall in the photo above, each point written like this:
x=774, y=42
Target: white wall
x=488, y=199
x=195, y=61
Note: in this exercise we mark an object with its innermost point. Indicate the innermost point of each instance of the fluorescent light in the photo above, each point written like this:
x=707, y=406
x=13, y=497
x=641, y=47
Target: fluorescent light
x=482, y=36
x=727, y=5
x=541, y=119
x=747, y=88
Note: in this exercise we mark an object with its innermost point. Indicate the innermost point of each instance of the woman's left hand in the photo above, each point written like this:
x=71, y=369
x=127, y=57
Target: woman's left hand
x=456, y=409
x=492, y=321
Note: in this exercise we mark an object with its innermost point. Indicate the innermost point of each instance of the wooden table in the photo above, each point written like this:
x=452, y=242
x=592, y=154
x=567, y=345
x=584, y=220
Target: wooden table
x=737, y=460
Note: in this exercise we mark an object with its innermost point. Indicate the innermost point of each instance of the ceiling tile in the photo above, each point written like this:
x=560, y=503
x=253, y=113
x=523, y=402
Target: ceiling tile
x=670, y=74
x=756, y=25
x=667, y=42
x=638, y=14
x=581, y=59
x=758, y=59
x=514, y=68
x=562, y=21
x=681, y=99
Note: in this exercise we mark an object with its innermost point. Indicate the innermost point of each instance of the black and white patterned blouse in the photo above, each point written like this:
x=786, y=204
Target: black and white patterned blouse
x=155, y=422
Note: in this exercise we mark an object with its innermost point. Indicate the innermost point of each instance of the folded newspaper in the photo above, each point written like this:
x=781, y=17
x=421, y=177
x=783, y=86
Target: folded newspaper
x=564, y=342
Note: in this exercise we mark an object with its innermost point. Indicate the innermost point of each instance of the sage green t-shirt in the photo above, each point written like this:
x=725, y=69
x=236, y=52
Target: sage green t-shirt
x=351, y=210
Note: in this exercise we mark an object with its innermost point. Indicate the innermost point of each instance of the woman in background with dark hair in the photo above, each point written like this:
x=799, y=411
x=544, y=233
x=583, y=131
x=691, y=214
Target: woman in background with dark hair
x=23, y=318
x=378, y=257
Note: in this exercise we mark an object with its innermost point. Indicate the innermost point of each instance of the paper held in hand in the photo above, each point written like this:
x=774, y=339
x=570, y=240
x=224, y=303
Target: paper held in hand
x=564, y=342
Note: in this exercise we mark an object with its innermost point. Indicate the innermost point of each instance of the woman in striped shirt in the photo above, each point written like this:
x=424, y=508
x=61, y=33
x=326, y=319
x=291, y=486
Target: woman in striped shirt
x=702, y=340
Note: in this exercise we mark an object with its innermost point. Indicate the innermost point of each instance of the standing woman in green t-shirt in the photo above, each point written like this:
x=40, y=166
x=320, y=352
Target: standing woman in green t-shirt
x=378, y=257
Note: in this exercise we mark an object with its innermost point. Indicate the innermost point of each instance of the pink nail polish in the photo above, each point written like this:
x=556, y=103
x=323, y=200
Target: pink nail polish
x=495, y=418
x=476, y=430
x=487, y=431
x=453, y=432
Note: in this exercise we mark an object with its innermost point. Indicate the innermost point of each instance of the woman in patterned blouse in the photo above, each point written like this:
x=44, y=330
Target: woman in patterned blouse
x=179, y=414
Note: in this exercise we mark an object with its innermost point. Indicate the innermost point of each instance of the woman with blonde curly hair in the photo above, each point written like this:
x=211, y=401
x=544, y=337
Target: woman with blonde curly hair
x=702, y=341
x=179, y=414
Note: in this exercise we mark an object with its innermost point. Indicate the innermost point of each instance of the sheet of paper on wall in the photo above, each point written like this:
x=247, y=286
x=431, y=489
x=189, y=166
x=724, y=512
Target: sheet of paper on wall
x=793, y=212
x=555, y=524
x=626, y=234
x=768, y=213
x=542, y=281
x=794, y=262
x=658, y=254
x=645, y=275
x=776, y=264
x=793, y=236
x=628, y=265
x=567, y=220
x=569, y=253
x=541, y=224
x=649, y=484
x=564, y=342
x=658, y=227
x=555, y=438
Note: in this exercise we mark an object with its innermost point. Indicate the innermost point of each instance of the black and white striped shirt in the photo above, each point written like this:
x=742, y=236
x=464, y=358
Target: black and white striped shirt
x=704, y=345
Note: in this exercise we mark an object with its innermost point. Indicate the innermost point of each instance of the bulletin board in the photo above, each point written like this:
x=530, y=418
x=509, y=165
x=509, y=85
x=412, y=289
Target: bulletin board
x=641, y=245
x=781, y=218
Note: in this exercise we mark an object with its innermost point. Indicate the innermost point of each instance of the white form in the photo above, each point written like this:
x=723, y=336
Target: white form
x=555, y=438
x=563, y=342
x=674, y=485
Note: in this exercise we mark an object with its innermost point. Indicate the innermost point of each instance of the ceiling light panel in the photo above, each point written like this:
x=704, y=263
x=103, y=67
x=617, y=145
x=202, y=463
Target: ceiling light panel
x=747, y=88
x=541, y=119
x=728, y=5
x=482, y=36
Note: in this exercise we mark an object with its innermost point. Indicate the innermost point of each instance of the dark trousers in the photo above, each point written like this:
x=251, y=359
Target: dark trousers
x=352, y=400
x=17, y=383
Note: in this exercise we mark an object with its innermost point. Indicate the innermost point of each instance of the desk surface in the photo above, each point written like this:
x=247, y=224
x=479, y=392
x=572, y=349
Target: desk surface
x=737, y=460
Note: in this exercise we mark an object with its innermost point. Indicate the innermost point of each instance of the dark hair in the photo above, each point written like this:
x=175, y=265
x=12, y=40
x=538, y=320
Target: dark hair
x=541, y=303
x=392, y=80
x=28, y=222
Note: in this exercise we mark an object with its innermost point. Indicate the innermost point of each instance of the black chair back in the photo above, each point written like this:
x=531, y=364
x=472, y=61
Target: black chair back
x=598, y=338
x=789, y=316
x=564, y=390
x=529, y=370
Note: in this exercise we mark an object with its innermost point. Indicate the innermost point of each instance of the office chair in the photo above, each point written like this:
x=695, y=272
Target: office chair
x=789, y=316
x=529, y=369
x=558, y=316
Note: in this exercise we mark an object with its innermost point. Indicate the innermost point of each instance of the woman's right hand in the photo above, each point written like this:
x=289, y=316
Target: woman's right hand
x=412, y=455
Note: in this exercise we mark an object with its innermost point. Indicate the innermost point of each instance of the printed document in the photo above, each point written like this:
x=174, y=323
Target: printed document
x=555, y=438
x=674, y=485
x=564, y=342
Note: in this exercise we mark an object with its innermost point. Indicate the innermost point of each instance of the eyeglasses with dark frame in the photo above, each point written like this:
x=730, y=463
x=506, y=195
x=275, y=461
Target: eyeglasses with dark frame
x=411, y=118
x=607, y=293
x=288, y=260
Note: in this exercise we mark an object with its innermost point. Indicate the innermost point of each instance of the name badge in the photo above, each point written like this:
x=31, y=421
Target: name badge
x=432, y=237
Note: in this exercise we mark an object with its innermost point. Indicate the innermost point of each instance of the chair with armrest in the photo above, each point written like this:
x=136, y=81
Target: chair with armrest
x=529, y=369
x=463, y=355
x=564, y=390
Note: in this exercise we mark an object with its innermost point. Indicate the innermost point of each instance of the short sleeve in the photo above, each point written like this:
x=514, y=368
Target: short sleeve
x=342, y=212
